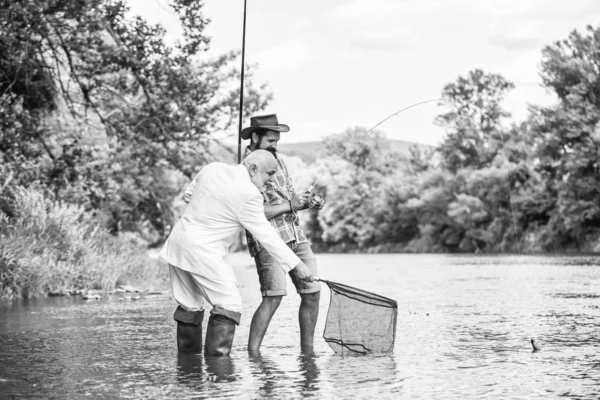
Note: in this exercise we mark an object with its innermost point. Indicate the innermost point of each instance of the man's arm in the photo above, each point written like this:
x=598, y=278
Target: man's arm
x=296, y=204
x=253, y=219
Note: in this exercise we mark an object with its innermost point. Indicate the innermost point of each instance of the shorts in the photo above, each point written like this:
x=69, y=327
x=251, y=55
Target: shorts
x=272, y=277
x=192, y=292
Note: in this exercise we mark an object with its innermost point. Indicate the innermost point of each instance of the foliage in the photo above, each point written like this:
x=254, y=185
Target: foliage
x=51, y=246
x=473, y=136
x=488, y=187
x=100, y=112
x=464, y=203
x=567, y=139
x=354, y=208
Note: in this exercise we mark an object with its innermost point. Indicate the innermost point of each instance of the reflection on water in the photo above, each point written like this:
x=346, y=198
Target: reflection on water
x=465, y=325
x=266, y=372
x=220, y=369
x=358, y=376
x=190, y=371
x=194, y=369
x=310, y=374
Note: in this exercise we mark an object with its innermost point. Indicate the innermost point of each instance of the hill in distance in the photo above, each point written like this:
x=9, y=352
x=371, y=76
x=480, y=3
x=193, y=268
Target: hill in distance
x=309, y=151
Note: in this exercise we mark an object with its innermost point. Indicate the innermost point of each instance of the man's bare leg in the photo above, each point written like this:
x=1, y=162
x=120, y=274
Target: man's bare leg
x=307, y=316
x=261, y=319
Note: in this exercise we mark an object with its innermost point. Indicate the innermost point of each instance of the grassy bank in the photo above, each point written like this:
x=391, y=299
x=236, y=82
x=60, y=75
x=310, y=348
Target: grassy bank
x=48, y=246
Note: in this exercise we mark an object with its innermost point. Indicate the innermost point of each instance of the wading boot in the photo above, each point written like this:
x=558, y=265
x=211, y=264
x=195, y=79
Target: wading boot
x=219, y=335
x=189, y=330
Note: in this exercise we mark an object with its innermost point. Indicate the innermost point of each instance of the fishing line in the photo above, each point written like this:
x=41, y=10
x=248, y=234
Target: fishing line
x=512, y=207
x=339, y=156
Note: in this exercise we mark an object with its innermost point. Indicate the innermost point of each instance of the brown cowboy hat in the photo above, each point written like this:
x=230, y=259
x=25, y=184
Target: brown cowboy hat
x=264, y=122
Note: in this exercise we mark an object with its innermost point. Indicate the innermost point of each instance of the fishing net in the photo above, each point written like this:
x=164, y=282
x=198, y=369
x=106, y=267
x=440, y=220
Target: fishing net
x=359, y=322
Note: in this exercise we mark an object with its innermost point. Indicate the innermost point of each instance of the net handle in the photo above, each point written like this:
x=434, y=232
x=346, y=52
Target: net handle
x=317, y=279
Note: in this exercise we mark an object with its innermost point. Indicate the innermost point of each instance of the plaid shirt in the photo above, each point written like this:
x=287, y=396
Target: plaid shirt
x=278, y=191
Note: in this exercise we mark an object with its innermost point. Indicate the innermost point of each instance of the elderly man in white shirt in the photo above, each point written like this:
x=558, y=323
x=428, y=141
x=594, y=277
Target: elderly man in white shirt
x=225, y=199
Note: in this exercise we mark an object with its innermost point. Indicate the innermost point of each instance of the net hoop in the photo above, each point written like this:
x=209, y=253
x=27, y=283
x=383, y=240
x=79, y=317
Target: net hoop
x=340, y=289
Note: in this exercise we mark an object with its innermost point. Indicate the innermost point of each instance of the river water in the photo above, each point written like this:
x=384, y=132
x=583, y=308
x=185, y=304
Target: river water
x=464, y=330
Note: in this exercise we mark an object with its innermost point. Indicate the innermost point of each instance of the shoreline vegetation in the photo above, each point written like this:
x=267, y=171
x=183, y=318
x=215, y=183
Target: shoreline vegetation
x=51, y=248
x=103, y=123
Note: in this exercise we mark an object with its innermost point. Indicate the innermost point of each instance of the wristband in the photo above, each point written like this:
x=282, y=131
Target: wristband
x=291, y=208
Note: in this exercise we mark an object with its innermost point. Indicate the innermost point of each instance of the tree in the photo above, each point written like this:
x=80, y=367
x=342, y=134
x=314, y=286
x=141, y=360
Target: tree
x=99, y=110
x=567, y=138
x=354, y=196
x=473, y=132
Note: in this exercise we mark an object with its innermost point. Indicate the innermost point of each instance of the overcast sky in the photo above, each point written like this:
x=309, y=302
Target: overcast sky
x=334, y=64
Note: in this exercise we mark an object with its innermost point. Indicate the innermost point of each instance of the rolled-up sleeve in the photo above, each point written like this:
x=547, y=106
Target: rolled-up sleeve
x=253, y=219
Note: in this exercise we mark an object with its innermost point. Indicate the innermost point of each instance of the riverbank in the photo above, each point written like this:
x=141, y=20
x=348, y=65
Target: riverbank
x=151, y=279
x=52, y=247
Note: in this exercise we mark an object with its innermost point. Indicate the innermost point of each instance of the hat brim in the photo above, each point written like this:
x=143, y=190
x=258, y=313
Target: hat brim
x=247, y=132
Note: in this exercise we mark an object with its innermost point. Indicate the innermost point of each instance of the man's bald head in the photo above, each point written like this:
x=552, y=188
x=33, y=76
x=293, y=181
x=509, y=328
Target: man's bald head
x=260, y=158
x=261, y=166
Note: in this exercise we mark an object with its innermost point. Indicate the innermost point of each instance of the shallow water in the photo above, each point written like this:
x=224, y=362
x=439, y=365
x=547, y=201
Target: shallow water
x=464, y=329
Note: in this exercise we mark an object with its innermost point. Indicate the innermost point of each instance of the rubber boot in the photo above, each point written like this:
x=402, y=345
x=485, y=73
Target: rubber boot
x=189, y=330
x=219, y=335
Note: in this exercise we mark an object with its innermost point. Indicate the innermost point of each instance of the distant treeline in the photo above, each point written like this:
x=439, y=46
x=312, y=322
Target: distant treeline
x=492, y=185
x=100, y=118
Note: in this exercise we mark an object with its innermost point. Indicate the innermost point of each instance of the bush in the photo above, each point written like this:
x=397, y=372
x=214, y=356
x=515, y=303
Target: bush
x=48, y=246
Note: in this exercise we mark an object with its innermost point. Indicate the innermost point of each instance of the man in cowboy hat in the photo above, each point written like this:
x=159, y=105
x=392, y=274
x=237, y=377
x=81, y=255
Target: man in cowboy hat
x=281, y=207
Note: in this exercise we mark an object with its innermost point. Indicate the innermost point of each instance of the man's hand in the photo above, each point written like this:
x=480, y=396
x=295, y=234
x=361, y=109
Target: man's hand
x=316, y=201
x=303, y=272
x=300, y=201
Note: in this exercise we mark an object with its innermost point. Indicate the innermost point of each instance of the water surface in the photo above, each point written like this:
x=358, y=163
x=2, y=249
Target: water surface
x=464, y=329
